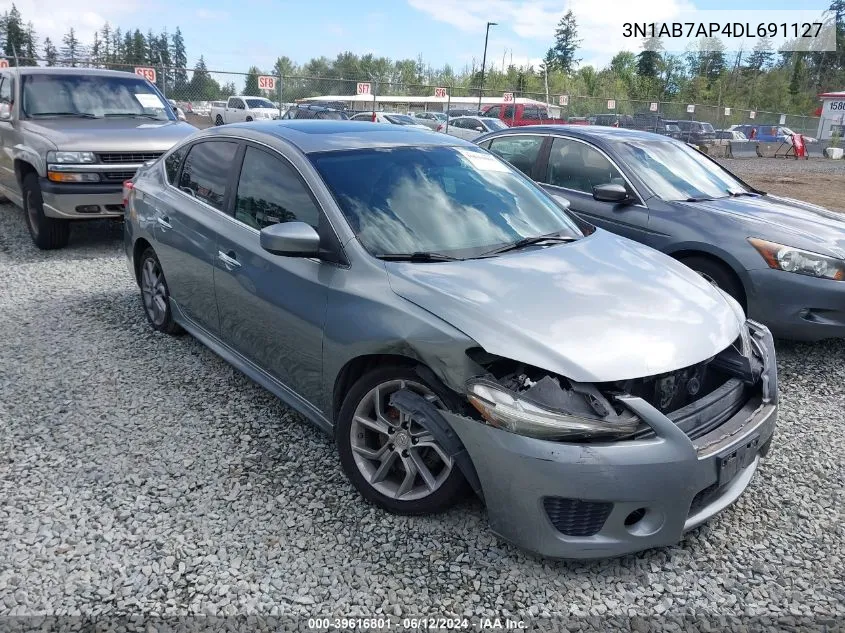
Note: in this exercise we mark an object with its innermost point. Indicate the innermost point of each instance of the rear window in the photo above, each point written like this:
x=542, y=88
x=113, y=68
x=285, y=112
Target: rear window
x=330, y=114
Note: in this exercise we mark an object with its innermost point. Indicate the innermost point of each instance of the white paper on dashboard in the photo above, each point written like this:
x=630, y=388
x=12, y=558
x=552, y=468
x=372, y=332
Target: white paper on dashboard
x=148, y=100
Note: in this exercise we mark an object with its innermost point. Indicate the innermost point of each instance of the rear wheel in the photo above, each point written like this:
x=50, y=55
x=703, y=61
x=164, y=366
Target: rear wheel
x=717, y=274
x=391, y=459
x=47, y=233
x=155, y=294
x=248, y=119
x=218, y=120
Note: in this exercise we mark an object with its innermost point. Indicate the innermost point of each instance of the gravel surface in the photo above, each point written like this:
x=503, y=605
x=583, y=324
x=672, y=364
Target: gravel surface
x=139, y=473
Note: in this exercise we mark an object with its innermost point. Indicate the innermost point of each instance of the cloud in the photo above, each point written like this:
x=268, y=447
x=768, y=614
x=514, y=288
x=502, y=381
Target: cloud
x=212, y=14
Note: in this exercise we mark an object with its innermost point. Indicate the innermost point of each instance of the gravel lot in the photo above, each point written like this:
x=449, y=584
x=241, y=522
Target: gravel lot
x=141, y=474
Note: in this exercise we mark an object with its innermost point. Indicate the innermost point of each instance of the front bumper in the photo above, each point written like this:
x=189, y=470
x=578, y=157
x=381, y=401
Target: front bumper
x=797, y=307
x=62, y=200
x=592, y=500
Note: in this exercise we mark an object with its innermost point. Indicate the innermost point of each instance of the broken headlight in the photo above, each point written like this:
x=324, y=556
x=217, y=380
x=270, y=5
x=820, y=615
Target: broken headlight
x=518, y=413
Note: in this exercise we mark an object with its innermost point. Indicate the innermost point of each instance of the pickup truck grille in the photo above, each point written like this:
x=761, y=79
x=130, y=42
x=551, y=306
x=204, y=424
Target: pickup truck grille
x=117, y=176
x=111, y=158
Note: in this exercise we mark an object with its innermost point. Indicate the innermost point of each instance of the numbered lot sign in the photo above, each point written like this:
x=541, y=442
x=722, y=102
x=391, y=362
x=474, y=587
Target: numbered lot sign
x=690, y=109
x=440, y=93
x=4, y=63
x=652, y=106
x=266, y=82
x=563, y=100
x=507, y=97
x=365, y=89
x=611, y=104
x=727, y=111
x=147, y=73
x=752, y=115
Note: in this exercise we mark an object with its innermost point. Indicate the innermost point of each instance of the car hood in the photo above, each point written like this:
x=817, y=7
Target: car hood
x=816, y=228
x=110, y=135
x=600, y=309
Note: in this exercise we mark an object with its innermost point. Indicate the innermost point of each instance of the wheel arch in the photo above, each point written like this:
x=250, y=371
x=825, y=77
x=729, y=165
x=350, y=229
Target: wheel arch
x=356, y=367
x=717, y=256
x=22, y=168
x=141, y=244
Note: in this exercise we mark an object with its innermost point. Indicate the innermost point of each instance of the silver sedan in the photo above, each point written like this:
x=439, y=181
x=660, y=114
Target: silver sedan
x=453, y=328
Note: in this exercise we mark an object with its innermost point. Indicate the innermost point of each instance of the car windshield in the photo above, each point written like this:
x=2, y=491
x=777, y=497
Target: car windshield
x=259, y=103
x=400, y=119
x=457, y=201
x=707, y=127
x=675, y=171
x=494, y=124
x=91, y=96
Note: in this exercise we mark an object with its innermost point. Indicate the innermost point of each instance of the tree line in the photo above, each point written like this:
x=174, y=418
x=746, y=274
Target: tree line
x=759, y=79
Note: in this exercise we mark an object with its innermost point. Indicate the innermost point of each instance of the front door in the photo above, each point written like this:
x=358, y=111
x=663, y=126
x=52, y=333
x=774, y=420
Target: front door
x=8, y=137
x=573, y=168
x=272, y=308
x=188, y=217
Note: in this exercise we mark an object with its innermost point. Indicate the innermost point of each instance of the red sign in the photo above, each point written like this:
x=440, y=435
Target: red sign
x=4, y=63
x=266, y=82
x=147, y=73
x=798, y=146
x=440, y=93
x=507, y=97
x=364, y=89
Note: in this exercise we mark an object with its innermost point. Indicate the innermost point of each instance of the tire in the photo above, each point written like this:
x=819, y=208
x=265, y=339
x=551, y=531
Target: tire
x=155, y=294
x=364, y=451
x=47, y=233
x=249, y=119
x=218, y=120
x=717, y=274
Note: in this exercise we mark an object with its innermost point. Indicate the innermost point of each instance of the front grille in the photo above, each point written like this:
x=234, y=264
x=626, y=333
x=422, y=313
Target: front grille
x=117, y=176
x=111, y=158
x=576, y=517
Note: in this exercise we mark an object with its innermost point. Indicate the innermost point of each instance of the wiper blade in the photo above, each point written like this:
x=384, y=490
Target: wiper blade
x=84, y=115
x=419, y=256
x=530, y=241
x=737, y=194
x=701, y=199
x=133, y=114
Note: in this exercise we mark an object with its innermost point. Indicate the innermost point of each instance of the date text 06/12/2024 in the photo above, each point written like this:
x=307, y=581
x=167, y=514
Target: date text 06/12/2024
x=727, y=29
x=381, y=623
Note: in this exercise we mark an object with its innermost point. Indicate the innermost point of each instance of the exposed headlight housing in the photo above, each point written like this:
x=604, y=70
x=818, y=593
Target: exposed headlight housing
x=506, y=410
x=797, y=260
x=71, y=157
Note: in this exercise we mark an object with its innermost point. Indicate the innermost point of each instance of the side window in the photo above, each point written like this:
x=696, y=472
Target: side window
x=458, y=123
x=494, y=111
x=508, y=112
x=172, y=162
x=237, y=104
x=578, y=166
x=5, y=89
x=271, y=192
x=520, y=151
x=304, y=114
x=206, y=171
x=531, y=112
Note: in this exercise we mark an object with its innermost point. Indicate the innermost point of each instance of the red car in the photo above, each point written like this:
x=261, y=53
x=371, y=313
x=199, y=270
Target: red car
x=518, y=114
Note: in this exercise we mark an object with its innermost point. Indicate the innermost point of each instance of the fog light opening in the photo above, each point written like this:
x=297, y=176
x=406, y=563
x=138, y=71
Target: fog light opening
x=644, y=521
x=88, y=208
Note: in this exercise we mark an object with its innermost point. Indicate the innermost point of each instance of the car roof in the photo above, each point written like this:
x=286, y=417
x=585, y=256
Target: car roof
x=320, y=136
x=53, y=70
x=587, y=132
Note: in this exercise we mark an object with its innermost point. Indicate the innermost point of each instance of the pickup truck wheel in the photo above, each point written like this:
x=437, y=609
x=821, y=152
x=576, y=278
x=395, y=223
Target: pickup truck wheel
x=392, y=460
x=218, y=120
x=248, y=119
x=47, y=233
x=155, y=294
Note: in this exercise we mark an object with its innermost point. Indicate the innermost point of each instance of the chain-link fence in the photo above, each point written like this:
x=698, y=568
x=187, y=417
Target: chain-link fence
x=196, y=90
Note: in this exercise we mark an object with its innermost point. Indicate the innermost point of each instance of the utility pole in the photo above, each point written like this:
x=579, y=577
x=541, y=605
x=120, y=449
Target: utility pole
x=484, y=63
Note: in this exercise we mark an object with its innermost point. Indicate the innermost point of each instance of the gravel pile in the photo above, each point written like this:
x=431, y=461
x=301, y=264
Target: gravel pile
x=783, y=166
x=141, y=474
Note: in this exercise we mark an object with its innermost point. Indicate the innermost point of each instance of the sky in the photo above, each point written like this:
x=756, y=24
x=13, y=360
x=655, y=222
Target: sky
x=235, y=35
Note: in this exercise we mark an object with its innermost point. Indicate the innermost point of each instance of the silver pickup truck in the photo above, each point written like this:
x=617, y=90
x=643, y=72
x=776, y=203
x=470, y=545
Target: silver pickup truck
x=71, y=137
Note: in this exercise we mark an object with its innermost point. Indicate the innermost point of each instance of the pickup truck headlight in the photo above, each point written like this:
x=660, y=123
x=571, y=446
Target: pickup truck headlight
x=71, y=157
x=797, y=260
x=67, y=176
x=504, y=409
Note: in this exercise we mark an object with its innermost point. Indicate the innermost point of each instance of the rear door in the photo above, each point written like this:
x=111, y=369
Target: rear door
x=272, y=308
x=188, y=215
x=520, y=150
x=571, y=170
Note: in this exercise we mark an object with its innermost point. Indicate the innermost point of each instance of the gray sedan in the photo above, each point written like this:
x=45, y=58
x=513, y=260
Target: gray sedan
x=453, y=327
x=783, y=260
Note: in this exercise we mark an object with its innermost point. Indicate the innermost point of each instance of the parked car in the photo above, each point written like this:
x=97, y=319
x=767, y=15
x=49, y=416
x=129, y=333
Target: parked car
x=578, y=120
x=430, y=119
x=614, y=120
x=696, y=132
x=651, y=122
x=70, y=137
x=393, y=118
x=724, y=137
x=471, y=127
x=454, y=112
x=309, y=111
x=519, y=114
x=447, y=323
x=781, y=259
x=242, y=108
x=180, y=113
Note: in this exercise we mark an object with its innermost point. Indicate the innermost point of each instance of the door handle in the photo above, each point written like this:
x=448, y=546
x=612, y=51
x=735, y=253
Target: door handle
x=164, y=222
x=229, y=260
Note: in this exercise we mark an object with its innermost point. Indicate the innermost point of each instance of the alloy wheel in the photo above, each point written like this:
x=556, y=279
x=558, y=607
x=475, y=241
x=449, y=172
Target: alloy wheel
x=396, y=455
x=154, y=291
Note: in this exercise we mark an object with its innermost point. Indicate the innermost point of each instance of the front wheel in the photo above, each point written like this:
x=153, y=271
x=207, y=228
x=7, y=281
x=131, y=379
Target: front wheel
x=47, y=233
x=717, y=274
x=249, y=119
x=391, y=459
x=218, y=120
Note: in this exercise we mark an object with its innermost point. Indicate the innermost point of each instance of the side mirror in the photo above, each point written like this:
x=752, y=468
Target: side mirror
x=291, y=239
x=610, y=193
x=561, y=201
x=5, y=112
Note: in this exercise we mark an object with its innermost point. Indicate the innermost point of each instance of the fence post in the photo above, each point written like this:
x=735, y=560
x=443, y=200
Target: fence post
x=281, y=101
x=448, y=105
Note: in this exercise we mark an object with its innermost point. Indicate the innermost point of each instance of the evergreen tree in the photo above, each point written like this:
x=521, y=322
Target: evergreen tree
x=202, y=87
x=562, y=54
x=761, y=57
x=15, y=40
x=251, y=86
x=106, y=45
x=97, y=50
x=648, y=61
x=72, y=49
x=50, y=53
x=118, y=51
x=30, y=45
x=179, y=60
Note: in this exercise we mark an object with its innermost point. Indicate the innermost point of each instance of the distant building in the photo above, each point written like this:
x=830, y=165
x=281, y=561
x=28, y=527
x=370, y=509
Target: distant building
x=832, y=114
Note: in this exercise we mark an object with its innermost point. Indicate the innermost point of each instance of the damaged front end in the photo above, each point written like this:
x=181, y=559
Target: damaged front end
x=530, y=401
